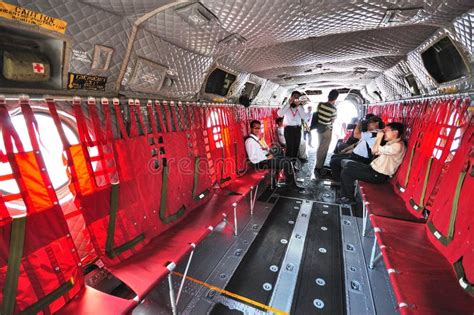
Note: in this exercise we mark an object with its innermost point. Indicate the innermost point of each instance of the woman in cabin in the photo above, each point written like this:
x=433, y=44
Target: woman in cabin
x=389, y=158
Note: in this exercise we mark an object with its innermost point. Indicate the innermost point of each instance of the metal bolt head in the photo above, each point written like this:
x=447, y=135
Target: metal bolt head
x=284, y=241
x=323, y=250
x=273, y=268
x=320, y=282
x=324, y=228
x=318, y=303
x=267, y=286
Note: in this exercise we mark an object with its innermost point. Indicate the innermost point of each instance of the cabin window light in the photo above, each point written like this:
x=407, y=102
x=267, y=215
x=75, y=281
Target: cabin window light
x=213, y=122
x=51, y=149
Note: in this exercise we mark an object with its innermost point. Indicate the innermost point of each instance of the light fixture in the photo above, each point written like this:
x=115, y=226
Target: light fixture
x=196, y=14
x=394, y=16
x=232, y=41
x=360, y=70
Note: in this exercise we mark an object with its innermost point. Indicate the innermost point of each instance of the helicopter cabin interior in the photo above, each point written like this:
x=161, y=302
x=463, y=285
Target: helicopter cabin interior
x=126, y=186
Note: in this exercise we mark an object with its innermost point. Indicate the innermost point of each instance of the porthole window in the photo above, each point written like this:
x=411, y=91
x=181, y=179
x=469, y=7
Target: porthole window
x=51, y=149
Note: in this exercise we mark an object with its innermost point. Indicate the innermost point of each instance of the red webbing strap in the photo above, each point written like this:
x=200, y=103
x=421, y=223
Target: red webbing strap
x=118, y=116
x=159, y=113
x=151, y=118
x=154, y=131
x=132, y=118
x=167, y=109
x=4, y=215
x=183, y=119
x=173, y=110
x=100, y=137
x=141, y=120
x=193, y=120
x=33, y=132
x=109, y=135
x=81, y=123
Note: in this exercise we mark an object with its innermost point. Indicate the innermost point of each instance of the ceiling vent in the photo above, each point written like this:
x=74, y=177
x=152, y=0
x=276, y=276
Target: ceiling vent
x=196, y=14
x=232, y=41
x=396, y=16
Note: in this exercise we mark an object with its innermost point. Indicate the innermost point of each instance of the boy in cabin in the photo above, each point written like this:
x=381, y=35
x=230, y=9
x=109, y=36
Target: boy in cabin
x=380, y=170
x=280, y=132
x=366, y=133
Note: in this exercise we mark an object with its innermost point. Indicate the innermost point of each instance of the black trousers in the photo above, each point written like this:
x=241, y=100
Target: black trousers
x=293, y=138
x=336, y=163
x=353, y=171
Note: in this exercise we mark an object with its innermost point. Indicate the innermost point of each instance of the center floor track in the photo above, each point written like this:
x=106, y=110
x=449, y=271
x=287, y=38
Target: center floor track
x=319, y=287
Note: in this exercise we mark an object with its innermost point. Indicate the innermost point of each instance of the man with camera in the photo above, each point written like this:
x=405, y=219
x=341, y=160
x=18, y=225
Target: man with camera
x=294, y=115
x=366, y=132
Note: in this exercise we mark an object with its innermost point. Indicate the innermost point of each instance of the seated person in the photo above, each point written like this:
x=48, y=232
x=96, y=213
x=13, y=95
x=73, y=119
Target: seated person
x=352, y=141
x=362, y=152
x=259, y=154
x=380, y=170
x=280, y=132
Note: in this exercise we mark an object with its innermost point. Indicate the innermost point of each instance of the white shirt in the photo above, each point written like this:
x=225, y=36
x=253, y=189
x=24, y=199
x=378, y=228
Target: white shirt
x=361, y=147
x=391, y=156
x=254, y=150
x=308, y=118
x=292, y=116
x=281, y=135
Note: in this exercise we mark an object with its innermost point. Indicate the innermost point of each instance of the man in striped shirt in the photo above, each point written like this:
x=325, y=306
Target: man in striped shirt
x=326, y=113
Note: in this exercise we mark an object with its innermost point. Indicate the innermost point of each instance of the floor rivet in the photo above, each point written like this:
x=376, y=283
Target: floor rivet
x=267, y=286
x=323, y=250
x=318, y=303
x=284, y=241
x=320, y=282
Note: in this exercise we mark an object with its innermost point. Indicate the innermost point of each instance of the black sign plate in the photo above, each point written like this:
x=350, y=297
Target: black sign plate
x=85, y=81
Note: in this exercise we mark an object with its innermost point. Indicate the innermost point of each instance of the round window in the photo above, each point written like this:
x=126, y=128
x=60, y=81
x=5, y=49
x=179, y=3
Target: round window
x=51, y=149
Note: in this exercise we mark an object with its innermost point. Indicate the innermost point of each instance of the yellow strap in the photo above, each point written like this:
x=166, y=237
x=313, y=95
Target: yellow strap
x=235, y=296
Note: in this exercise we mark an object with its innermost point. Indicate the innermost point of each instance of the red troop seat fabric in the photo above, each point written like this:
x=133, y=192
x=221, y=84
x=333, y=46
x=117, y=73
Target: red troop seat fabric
x=423, y=279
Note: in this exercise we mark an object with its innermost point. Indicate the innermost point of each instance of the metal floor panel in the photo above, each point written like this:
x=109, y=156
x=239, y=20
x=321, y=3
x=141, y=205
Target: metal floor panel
x=359, y=298
x=384, y=297
x=214, y=261
x=255, y=277
x=320, y=288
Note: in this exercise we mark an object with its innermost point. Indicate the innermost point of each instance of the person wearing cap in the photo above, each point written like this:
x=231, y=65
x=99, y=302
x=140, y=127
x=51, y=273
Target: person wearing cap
x=326, y=114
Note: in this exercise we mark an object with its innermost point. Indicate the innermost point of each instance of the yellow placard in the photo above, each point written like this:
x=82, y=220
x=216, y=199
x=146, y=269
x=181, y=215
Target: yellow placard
x=12, y=12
